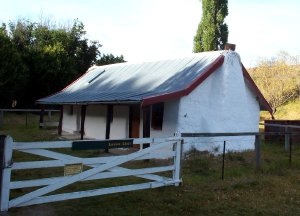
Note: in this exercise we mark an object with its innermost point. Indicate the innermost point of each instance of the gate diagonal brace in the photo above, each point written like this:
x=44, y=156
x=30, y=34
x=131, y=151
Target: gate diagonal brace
x=72, y=179
x=64, y=157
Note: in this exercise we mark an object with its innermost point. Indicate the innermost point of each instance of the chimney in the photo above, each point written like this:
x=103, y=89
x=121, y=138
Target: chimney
x=229, y=46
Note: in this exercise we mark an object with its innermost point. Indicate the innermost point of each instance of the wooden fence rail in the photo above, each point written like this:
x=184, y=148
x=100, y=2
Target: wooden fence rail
x=286, y=126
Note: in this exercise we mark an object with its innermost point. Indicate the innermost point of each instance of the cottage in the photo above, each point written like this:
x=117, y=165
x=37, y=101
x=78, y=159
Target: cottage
x=204, y=92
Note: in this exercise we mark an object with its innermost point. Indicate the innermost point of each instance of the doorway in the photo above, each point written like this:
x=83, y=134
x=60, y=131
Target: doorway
x=134, y=121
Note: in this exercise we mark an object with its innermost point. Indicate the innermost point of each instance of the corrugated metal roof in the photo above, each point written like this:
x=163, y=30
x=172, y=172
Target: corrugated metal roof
x=126, y=82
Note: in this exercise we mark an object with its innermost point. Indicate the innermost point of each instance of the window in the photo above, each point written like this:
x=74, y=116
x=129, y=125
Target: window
x=157, y=116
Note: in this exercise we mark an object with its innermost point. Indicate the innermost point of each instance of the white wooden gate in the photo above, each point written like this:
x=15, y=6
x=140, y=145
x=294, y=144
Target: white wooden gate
x=101, y=168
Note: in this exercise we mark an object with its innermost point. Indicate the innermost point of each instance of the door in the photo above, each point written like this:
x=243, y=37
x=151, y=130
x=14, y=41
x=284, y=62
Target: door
x=134, y=121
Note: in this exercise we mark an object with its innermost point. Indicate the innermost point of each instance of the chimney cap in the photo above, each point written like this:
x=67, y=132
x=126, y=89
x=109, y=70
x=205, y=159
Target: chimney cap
x=230, y=46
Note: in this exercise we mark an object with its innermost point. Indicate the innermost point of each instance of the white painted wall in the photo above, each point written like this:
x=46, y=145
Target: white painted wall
x=222, y=103
x=95, y=121
x=70, y=121
x=120, y=126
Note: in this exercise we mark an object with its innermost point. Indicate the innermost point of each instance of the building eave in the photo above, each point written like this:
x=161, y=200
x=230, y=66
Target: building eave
x=92, y=103
x=263, y=102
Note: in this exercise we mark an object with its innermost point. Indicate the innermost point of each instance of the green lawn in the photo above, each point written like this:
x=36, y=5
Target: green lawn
x=272, y=190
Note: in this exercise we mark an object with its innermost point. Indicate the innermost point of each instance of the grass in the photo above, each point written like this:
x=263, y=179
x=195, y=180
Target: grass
x=15, y=125
x=288, y=111
x=272, y=190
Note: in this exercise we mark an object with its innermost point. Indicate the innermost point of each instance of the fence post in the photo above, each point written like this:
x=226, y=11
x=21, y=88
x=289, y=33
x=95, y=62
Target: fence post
x=223, y=161
x=177, y=162
x=290, y=152
x=6, y=143
x=257, y=151
x=286, y=139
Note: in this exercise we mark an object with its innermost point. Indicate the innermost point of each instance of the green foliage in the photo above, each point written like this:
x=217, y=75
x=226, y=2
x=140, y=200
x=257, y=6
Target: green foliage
x=53, y=56
x=212, y=32
x=109, y=59
x=43, y=59
x=13, y=73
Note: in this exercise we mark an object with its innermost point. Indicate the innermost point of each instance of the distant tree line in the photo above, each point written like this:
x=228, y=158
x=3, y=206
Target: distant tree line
x=38, y=59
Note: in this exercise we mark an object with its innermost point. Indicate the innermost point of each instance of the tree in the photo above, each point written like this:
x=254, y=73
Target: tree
x=38, y=59
x=13, y=72
x=212, y=32
x=278, y=79
x=54, y=56
x=106, y=59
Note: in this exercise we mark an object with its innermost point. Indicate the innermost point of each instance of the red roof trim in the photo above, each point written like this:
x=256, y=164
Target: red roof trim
x=261, y=98
x=208, y=71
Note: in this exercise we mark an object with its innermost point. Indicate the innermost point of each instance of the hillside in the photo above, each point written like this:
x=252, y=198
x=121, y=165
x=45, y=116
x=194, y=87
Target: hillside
x=288, y=111
x=278, y=79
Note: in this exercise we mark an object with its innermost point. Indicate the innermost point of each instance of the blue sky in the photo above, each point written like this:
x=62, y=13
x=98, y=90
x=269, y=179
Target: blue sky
x=144, y=30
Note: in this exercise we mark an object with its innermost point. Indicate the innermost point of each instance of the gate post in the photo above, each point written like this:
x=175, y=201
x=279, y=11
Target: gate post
x=6, y=144
x=177, y=162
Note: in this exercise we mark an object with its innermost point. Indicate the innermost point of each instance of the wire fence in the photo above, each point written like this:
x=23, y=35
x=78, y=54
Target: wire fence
x=225, y=143
x=29, y=116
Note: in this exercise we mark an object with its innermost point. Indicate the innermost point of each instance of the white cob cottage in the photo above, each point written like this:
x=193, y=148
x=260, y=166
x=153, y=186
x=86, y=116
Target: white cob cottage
x=204, y=92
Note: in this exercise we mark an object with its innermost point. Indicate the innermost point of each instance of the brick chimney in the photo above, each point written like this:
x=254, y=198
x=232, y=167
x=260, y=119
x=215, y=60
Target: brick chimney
x=229, y=46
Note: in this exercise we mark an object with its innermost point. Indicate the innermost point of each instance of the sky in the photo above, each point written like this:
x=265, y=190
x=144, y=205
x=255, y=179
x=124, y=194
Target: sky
x=145, y=30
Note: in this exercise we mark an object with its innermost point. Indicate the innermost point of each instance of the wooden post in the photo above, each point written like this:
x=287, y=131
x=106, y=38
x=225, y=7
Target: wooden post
x=109, y=118
x=286, y=139
x=257, y=151
x=1, y=118
x=6, y=162
x=177, y=161
x=223, y=160
x=42, y=116
x=61, y=115
x=146, y=124
x=83, y=111
x=290, y=148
